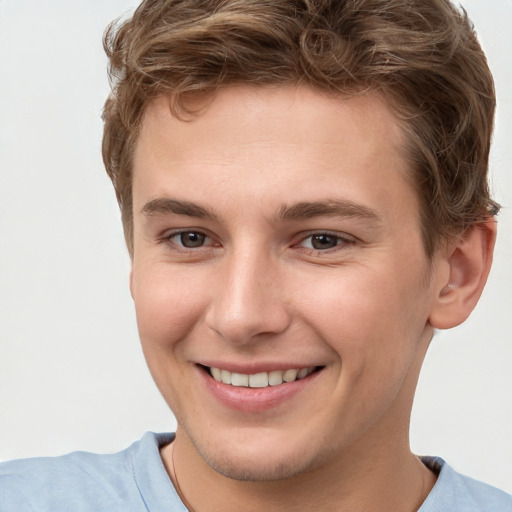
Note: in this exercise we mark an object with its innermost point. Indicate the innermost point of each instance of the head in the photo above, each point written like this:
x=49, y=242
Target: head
x=422, y=57
x=300, y=185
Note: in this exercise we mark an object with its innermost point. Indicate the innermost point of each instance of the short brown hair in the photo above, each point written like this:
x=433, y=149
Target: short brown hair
x=421, y=55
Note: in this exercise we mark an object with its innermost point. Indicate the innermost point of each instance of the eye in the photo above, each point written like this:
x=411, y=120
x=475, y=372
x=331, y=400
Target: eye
x=325, y=241
x=189, y=239
x=192, y=239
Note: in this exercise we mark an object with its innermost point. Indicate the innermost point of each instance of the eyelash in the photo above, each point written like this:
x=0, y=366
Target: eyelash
x=168, y=239
x=340, y=240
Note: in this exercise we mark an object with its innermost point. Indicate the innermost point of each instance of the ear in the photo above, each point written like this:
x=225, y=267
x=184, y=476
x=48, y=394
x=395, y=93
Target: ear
x=469, y=261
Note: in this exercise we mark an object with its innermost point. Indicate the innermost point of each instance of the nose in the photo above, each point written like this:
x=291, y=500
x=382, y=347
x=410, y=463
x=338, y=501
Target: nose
x=249, y=301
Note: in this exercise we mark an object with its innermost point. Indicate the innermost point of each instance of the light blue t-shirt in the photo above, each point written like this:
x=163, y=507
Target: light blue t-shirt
x=135, y=480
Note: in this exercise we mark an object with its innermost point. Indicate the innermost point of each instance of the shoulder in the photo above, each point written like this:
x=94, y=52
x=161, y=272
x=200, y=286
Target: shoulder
x=456, y=492
x=79, y=481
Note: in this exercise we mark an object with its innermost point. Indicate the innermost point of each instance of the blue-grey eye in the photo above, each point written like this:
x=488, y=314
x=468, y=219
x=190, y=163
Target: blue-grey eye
x=192, y=239
x=324, y=241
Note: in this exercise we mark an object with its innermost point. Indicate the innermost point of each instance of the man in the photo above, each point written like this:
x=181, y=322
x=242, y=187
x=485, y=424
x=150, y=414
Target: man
x=304, y=197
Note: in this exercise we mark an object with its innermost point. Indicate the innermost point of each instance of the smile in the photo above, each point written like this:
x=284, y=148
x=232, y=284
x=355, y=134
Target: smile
x=262, y=379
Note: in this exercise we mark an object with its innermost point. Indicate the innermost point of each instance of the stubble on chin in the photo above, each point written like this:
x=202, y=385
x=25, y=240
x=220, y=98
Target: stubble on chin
x=233, y=464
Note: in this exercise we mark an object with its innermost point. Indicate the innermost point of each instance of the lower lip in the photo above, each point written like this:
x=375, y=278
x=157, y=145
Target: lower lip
x=256, y=399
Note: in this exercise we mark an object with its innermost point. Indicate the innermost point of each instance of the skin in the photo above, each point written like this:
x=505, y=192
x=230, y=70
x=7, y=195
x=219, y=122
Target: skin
x=259, y=291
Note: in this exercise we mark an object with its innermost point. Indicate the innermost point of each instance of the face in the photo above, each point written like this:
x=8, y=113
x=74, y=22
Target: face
x=279, y=277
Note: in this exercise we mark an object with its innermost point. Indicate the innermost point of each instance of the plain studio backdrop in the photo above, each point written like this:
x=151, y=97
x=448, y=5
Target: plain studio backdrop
x=72, y=374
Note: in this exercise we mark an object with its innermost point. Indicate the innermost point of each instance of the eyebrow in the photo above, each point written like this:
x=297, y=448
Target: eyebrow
x=299, y=211
x=164, y=206
x=331, y=207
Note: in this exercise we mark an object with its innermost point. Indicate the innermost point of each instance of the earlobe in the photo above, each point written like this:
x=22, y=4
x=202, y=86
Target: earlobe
x=469, y=260
x=131, y=282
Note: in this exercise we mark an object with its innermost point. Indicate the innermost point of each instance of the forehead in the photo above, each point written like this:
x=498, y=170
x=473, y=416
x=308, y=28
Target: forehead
x=250, y=115
x=281, y=143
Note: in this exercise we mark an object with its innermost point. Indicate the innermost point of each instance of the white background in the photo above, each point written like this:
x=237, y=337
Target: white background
x=72, y=375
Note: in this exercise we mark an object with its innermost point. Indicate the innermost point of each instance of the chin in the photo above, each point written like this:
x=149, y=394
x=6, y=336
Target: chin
x=248, y=470
x=257, y=462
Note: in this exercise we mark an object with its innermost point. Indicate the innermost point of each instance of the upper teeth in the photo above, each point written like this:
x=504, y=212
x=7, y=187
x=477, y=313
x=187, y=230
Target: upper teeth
x=259, y=380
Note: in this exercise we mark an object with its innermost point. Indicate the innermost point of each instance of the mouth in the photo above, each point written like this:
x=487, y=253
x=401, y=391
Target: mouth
x=261, y=379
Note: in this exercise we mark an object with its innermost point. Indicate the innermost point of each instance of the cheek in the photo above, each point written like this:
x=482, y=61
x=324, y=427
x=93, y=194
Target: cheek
x=375, y=329
x=368, y=317
x=167, y=305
